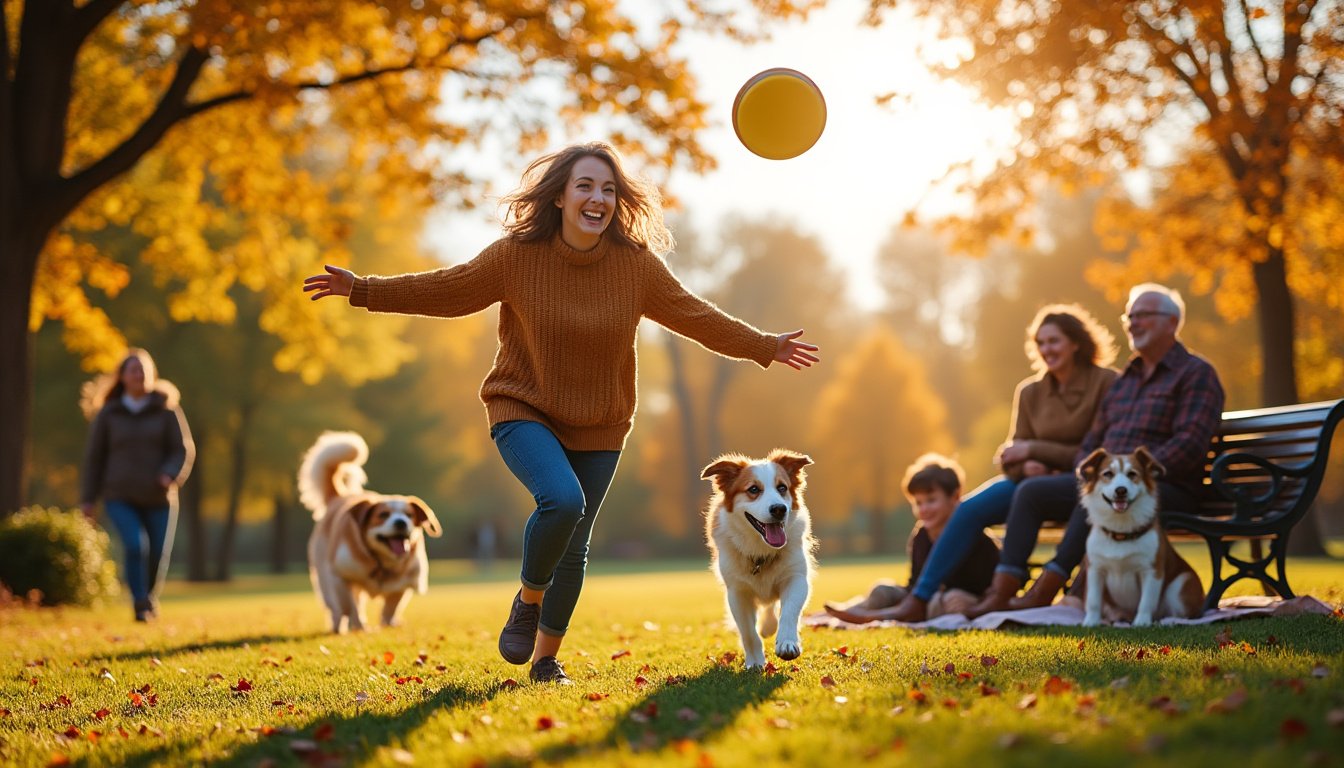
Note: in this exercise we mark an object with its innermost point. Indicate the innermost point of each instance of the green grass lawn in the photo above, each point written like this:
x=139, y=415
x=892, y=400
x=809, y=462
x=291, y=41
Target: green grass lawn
x=244, y=674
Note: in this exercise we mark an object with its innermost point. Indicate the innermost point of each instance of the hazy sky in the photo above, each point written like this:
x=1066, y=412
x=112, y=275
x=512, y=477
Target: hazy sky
x=871, y=165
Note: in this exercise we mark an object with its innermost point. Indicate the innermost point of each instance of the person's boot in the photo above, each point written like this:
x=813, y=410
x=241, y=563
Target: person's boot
x=910, y=610
x=1001, y=590
x=144, y=611
x=519, y=636
x=1041, y=593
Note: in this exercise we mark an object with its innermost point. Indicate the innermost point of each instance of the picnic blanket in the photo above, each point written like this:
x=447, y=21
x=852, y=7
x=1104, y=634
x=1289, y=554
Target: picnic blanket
x=1069, y=612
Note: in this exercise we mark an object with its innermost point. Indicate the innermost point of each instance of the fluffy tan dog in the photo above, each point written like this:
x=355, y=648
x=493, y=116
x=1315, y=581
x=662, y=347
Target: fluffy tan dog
x=364, y=543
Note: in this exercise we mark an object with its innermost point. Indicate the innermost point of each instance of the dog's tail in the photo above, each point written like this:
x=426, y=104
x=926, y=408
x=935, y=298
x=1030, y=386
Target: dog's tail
x=333, y=467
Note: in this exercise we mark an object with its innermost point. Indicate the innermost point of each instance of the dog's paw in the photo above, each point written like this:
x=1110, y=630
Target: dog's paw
x=788, y=650
x=1143, y=621
x=756, y=661
x=1092, y=621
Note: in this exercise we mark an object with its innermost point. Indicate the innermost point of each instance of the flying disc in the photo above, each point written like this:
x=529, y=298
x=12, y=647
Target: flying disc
x=779, y=113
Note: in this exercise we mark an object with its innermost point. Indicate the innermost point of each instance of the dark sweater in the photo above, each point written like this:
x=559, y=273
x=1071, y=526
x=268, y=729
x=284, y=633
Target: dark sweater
x=128, y=451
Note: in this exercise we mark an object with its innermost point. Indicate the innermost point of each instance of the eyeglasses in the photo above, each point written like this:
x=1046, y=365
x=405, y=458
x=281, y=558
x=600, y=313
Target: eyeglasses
x=1142, y=314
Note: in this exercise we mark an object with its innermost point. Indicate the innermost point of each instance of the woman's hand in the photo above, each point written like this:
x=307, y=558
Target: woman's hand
x=89, y=510
x=1034, y=468
x=795, y=354
x=337, y=282
x=1014, y=452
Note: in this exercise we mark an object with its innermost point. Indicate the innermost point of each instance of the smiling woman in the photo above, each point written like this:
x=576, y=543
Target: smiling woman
x=579, y=267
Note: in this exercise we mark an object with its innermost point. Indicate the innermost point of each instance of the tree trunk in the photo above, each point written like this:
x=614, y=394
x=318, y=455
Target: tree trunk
x=237, y=476
x=1278, y=383
x=718, y=390
x=280, y=534
x=192, y=492
x=692, y=458
x=19, y=249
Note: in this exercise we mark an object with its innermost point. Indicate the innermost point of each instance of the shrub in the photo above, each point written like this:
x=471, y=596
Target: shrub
x=60, y=554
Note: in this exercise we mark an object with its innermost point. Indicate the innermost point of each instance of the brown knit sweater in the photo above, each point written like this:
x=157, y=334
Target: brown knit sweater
x=567, y=324
x=1053, y=420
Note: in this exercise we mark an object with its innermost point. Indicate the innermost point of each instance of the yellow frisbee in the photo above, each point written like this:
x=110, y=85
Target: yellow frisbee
x=779, y=114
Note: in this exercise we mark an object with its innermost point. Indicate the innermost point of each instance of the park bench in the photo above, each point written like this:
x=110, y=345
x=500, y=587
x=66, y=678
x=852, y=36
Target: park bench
x=1264, y=470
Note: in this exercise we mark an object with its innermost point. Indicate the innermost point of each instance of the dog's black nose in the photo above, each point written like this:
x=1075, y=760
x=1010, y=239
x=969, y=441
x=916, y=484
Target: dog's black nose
x=1121, y=492
x=778, y=511
x=400, y=525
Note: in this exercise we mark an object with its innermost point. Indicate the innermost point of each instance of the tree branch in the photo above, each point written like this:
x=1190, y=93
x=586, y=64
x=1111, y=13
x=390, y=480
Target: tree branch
x=1255, y=44
x=91, y=15
x=1236, y=164
x=169, y=111
x=311, y=85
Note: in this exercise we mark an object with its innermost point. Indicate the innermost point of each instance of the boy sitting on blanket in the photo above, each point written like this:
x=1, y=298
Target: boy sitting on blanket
x=933, y=486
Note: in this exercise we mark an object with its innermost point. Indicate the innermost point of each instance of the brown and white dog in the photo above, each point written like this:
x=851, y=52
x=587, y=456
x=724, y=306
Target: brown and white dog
x=761, y=547
x=364, y=543
x=1133, y=573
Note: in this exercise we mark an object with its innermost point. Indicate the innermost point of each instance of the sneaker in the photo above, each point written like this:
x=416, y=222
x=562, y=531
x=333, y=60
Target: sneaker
x=548, y=670
x=519, y=636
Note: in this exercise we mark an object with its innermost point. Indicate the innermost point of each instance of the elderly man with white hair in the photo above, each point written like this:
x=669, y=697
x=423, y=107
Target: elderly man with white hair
x=1166, y=399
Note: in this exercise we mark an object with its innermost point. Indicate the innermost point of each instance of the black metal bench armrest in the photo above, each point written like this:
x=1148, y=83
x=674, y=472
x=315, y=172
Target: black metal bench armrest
x=1248, y=506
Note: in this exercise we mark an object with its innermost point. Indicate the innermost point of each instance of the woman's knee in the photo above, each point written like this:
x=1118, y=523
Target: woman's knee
x=563, y=504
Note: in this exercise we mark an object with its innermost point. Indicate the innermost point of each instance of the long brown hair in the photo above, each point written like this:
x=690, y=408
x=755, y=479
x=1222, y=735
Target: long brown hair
x=533, y=215
x=1096, y=345
x=105, y=387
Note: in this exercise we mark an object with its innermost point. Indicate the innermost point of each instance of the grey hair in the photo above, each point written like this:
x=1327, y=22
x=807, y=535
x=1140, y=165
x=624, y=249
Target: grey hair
x=1169, y=298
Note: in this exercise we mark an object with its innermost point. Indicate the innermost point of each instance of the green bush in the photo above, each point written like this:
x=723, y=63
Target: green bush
x=60, y=554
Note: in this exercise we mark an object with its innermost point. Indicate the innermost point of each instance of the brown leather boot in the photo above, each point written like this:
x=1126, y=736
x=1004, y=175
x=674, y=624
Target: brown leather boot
x=1041, y=593
x=1001, y=590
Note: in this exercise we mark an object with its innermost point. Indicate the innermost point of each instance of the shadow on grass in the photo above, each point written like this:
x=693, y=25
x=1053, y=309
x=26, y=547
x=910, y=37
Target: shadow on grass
x=225, y=644
x=351, y=739
x=684, y=708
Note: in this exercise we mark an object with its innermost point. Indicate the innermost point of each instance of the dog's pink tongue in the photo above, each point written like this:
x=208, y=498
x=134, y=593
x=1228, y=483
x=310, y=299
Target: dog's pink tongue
x=774, y=534
x=398, y=546
x=1120, y=505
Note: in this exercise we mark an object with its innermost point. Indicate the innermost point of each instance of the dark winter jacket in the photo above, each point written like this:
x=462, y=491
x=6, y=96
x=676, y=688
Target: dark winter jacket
x=127, y=452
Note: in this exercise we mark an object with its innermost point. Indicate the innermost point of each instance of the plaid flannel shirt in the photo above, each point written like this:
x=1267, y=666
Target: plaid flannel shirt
x=1173, y=414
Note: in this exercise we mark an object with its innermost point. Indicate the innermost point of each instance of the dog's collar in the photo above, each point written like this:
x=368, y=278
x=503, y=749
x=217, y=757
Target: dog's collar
x=1128, y=535
x=757, y=563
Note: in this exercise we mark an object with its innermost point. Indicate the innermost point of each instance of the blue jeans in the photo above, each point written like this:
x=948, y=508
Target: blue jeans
x=146, y=538
x=1055, y=498
x=568, y=487
x=985, y=506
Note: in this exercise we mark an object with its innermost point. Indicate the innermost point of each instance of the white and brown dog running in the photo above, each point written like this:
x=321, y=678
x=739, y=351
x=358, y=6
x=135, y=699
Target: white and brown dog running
x=761, y=547
x=364, y=544
x=1133, y=573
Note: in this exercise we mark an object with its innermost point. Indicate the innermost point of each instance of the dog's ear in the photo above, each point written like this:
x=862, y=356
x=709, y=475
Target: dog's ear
x=791, y=461
x=1148, y=462
x=1087, y=470
x=424, y=516
x=361, y=511
x=724, y=470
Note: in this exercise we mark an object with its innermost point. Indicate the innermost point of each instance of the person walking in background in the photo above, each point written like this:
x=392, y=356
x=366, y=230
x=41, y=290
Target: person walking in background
x=139, y=450
x=580, y=264
x=1166, y=399
x=1052, y=410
